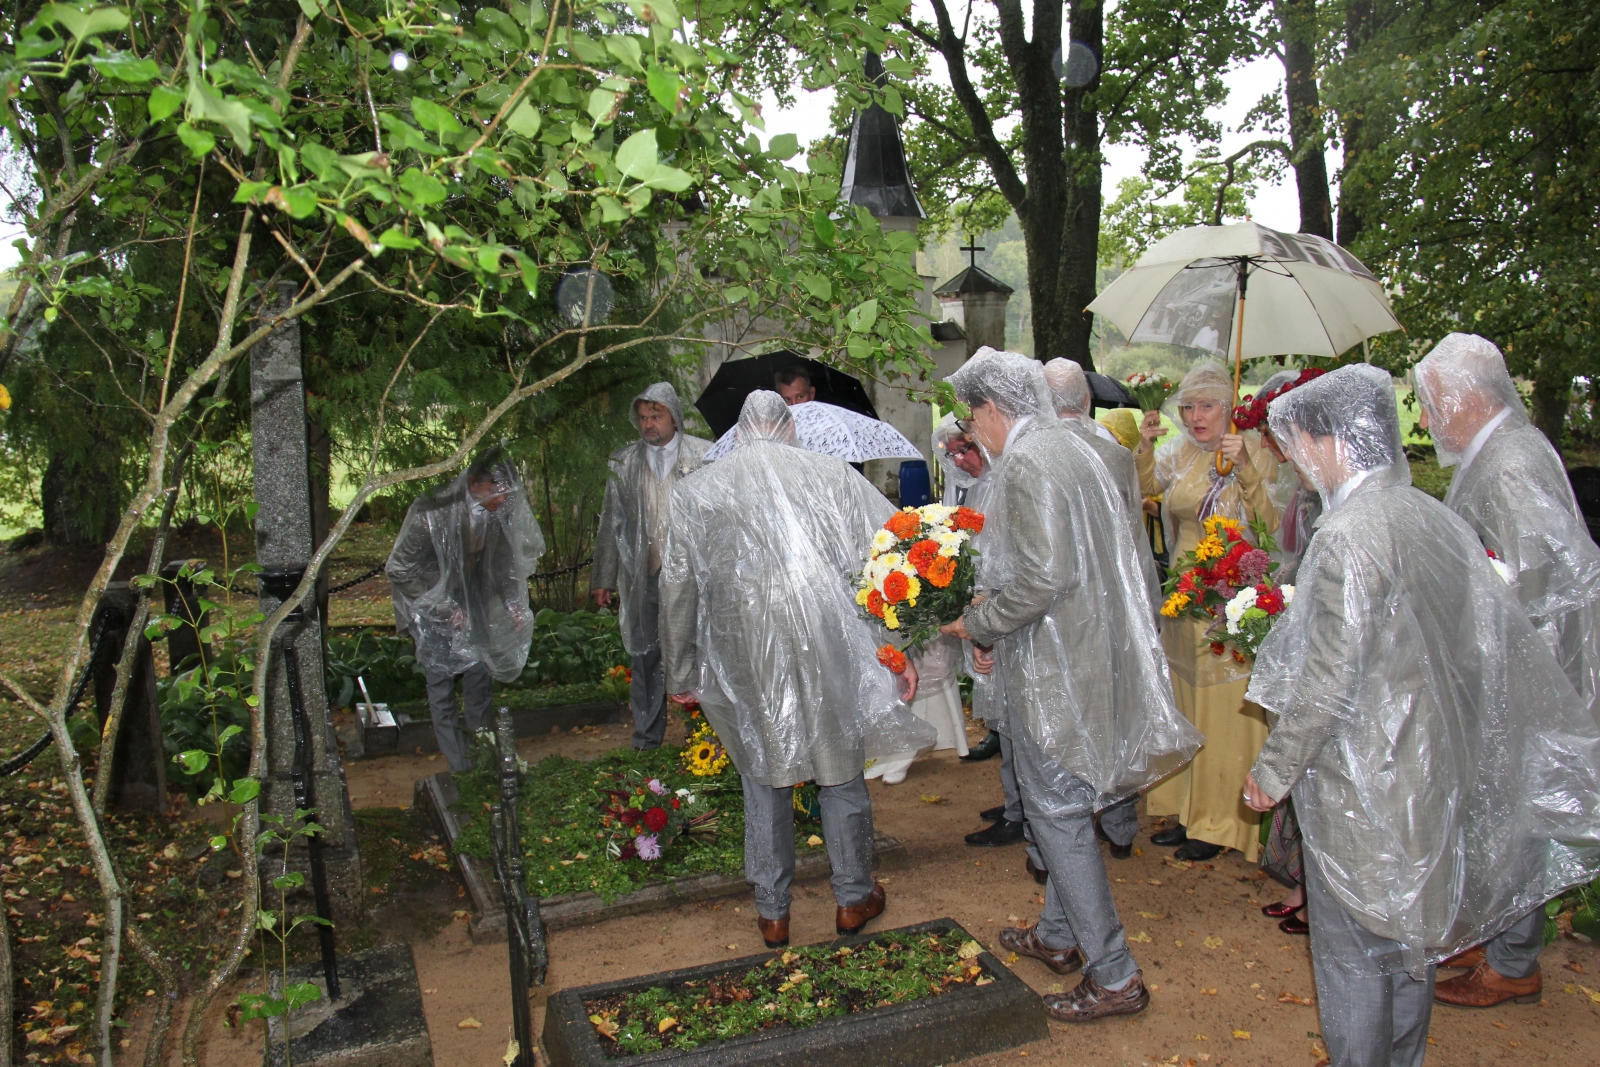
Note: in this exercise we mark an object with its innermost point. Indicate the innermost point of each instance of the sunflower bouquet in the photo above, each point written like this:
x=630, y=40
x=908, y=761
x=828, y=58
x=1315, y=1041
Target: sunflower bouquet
x=703, y=753
x=1226, y=582
x=919, y=573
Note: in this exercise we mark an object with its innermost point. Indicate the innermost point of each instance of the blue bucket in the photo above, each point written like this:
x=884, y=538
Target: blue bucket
x=916, y=488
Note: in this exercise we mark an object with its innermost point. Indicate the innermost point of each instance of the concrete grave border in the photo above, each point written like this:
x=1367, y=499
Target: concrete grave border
x=437, y=794
x=957, y=1024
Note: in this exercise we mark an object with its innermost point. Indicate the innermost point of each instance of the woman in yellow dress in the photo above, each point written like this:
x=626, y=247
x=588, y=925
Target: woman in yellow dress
x=1205, y=796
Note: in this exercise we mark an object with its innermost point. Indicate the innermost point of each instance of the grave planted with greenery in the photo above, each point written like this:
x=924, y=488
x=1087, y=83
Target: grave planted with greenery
x=628, y=818
x=798, y=989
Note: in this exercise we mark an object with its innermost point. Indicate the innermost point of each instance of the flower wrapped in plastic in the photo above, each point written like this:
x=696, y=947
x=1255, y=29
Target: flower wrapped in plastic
x=920, y=570
x=1150, y=390
x=1226, y=582
x=643, y=817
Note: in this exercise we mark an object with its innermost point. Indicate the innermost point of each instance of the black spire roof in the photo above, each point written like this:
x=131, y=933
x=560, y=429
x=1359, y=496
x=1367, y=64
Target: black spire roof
x=875, y=171
x=973, y=279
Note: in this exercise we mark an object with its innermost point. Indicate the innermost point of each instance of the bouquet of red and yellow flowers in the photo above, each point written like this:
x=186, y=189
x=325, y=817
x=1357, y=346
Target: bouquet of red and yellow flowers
x=1150, y=390
x=1227, y=582
x=919, y=573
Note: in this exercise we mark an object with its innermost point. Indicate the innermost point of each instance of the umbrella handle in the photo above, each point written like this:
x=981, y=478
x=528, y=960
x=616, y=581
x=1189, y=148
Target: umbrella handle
x=1225, y=466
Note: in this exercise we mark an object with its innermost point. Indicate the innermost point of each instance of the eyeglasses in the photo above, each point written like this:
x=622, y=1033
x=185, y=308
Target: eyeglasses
x=964, y=425
x=957, y=453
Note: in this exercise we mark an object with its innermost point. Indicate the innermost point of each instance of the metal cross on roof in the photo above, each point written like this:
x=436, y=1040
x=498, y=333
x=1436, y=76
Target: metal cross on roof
x=973, y=248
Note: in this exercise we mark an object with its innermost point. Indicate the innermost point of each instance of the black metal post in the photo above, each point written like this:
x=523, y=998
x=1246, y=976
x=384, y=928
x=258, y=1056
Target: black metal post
x=305, y=799
x=524, y=926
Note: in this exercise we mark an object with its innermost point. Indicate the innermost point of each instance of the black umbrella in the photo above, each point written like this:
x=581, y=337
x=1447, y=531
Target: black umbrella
x=1107, y=392
x=738, y=378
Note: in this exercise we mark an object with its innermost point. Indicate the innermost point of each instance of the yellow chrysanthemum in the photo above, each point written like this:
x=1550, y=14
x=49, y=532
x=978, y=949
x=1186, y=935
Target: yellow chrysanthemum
x=891, y=617
x=1217, y=523
x=913, y=589
x=862, y=595
x=1175, y=603
x=1209, y=548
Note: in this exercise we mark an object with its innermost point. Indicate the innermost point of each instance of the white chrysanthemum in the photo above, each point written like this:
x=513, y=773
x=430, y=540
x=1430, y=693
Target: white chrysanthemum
x=890, y=561
x=950, y=541
x=936, y=514
x=882, y=541
x=1288, y=594
x=1242, y=601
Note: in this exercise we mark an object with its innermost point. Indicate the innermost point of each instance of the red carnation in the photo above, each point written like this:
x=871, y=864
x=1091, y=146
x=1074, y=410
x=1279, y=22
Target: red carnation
x=1268, y=599
x=629, y=816
x=656, y=819
x=676, y=804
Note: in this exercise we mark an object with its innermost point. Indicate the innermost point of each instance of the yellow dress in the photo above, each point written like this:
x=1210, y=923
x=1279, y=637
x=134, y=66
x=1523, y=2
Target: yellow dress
x=1207, y=794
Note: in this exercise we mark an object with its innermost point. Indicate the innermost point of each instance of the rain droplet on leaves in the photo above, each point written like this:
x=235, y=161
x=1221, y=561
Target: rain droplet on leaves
x=400, y=61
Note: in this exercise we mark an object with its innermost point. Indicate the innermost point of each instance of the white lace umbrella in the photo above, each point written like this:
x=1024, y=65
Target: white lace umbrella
x=834, y=431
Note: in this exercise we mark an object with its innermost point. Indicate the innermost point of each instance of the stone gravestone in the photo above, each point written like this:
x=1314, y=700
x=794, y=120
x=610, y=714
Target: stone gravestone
x=376, y=1019
x=283, y=549
x=138, y=772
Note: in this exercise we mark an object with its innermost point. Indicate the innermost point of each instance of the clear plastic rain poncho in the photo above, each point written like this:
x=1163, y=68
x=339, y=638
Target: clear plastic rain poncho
x=1183, y=473
x=758, y=610
x=1075, y=642
x=1299, y=505
x=1069, y=390
x=633, y=520
x=1512, y=488
x=957, y=482
x=1444, y=772
x=459, y=572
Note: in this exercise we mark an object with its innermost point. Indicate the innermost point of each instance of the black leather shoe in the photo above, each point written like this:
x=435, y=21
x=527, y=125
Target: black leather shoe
x=1001, y=833
x=1038, y=874
x=1196, y=851
x=1172, y=835
x=1121, y=852
x=988, y=748
x=994, y=814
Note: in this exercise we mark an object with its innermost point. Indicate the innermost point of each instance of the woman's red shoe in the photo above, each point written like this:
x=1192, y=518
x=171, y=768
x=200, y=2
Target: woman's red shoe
x=1280, y=910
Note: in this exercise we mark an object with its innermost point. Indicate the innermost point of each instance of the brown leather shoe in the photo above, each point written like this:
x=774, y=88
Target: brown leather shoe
x=1089, y=1000
x=1025, y=942
x=1467, y=959
x=775, y=932
x=850, y=920
x=1484, y=987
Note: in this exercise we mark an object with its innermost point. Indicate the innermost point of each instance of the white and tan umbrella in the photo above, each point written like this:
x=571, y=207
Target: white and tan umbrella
x=1307, y=296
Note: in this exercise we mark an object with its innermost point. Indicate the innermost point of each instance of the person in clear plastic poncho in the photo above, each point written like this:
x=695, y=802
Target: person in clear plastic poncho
x=1445, y=773
x=1512, y=488
x=459, y=577
x=633, y=531
x=1204, y=796
x=759, y=618
x=1073, y=638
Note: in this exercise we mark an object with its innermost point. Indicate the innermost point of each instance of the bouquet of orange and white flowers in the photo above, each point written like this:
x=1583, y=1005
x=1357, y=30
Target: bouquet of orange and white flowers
x=919, y=573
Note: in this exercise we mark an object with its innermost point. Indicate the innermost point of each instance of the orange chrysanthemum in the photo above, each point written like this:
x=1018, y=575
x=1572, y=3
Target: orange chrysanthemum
x=941, y=572
x=875, y=603
x=922, y=555
x=904, y=524
x=967, y=519
x=892, y=658
x=896, y=587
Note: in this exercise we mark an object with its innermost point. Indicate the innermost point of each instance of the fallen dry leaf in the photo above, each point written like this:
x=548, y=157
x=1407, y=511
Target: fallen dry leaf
x=1241, y=1035
x=969, y=951
x=1289, y=998
x=666, y=1024
x=1140, y=938
x=932, y=798
x=1213, y=942
x=1011, y=958
x=469, y=1023
x=1151, y=915
x=813, y=840
x=1573, y=965
x=1210, y=992
x=1502, y=1026
x=1152, y=881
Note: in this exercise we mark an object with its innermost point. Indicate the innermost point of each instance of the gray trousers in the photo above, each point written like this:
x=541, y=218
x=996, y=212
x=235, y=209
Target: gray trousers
x=1515, y=952
x=1367, y=1020
x=1078, y=909
x=648, y=698
x=1008, y=780
x=769, y=843
x=1120, y=821
x=477, y=692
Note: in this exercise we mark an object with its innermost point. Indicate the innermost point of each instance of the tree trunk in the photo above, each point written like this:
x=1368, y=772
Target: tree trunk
x=1358, y=23
x=319, y=451
x=1297, y=33
x=1552, y=394
x=83, y=495
x=1061, y=327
